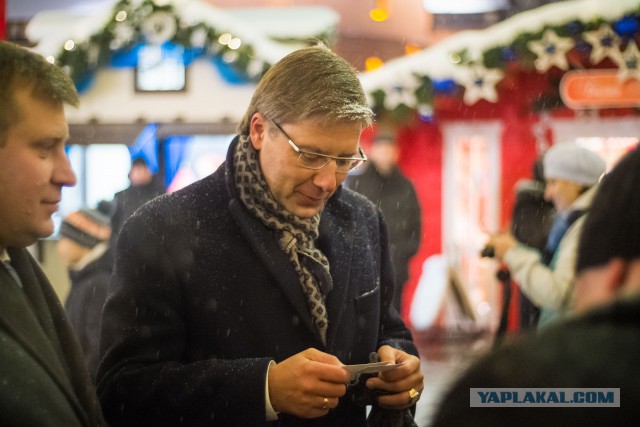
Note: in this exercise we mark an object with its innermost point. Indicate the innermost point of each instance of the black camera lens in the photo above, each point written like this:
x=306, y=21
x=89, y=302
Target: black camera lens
x=488, y=252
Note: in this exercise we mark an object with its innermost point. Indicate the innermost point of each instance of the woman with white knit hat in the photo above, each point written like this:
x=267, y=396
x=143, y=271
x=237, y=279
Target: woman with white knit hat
x=547, y=279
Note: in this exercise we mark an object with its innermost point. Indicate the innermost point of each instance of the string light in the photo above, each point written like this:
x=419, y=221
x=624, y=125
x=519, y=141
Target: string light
x=121, y=16
x=225, y=38
x=378, y=15
x=380, y=12
x=234, y=43
x=411, y=48
x=373, y=62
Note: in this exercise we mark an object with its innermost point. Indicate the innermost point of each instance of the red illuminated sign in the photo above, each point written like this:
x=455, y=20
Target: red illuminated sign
x=598, y=89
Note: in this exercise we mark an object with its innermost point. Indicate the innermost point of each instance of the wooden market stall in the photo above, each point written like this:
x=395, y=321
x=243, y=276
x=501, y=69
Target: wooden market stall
x=474, y=112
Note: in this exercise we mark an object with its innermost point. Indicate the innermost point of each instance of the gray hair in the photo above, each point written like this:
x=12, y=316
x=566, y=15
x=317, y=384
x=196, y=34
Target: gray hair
x=310, y=83
x=22, y=68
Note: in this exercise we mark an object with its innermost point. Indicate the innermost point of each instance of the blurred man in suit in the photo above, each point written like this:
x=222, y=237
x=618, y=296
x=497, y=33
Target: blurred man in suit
x=43, y=377
x=387, y=187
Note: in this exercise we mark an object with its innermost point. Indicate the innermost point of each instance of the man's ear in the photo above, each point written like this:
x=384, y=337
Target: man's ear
x=600, y=285
x=615, y=276
x=257, y=130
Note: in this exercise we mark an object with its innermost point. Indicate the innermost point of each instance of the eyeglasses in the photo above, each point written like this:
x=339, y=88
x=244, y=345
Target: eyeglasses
x=311, y=160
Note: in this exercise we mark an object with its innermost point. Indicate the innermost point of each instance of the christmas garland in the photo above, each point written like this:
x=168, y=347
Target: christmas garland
x=571, y=45
x=133, y=23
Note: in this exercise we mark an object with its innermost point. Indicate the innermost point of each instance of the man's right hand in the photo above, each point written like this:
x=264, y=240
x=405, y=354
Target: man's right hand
x=307, y=384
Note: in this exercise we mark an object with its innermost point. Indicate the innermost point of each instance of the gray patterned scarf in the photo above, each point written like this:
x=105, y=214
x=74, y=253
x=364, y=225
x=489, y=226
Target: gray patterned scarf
x=295, y=235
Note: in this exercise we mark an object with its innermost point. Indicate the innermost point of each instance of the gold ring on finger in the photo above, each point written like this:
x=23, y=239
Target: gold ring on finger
x=414, y=395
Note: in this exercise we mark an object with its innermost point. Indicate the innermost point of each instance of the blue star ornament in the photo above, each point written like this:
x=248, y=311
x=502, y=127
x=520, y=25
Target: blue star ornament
x=551, y=50
x=604, y=42
x=479, y=83
x=629, y=63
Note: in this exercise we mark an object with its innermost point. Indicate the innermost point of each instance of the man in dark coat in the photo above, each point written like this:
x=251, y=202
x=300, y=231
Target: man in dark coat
x=237, y=300
x=597, y=349
x=43, y=377
x=144, y=187
x=388, y=188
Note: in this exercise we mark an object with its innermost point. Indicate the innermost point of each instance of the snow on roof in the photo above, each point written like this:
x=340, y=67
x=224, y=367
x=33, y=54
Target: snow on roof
x=436, y=61
x=260, y=27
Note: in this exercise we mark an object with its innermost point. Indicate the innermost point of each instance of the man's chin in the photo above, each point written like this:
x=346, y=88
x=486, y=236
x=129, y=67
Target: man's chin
x=44, y=231
x=306, y=211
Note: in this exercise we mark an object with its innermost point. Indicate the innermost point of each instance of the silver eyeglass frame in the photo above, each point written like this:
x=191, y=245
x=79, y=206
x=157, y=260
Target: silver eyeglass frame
x=300, y=152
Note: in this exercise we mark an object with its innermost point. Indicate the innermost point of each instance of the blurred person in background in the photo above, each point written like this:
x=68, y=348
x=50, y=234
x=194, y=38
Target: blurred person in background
x=387, y=187
x=597, y=348
x=531, y=222
x=145, y=185
x=547, y=278
x=43, y=377
x=84, y=238
x=238, y=300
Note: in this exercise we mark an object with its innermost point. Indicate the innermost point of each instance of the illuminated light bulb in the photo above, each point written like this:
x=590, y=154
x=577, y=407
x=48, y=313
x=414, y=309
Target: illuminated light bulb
x=229, y=57
x=234, y=43
x=410, y=48
x=121, y=16
x=455, y=58
x=372, y=62
x=51, y=59
x=69, y=45
x=378, y=15
x=225, y=38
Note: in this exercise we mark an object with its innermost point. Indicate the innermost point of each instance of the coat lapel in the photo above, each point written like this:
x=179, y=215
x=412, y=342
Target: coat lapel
x=337, y=227
x=274, y=260
x=25, y=315
x=19, y=318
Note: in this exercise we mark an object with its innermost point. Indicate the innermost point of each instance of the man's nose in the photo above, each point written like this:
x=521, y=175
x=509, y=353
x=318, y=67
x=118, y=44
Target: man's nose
x=63, y=174
x=325, y=177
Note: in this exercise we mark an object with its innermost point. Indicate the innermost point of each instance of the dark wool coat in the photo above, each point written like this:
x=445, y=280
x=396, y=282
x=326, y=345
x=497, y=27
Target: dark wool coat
x=203, y=298
x=396, y=197
x=84, y=303
x=43, y=377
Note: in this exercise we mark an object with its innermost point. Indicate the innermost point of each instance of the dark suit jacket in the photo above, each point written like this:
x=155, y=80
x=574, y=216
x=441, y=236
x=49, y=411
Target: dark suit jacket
x=396, y=197
x=202, y=299
x=126, y=202
x=43, y=377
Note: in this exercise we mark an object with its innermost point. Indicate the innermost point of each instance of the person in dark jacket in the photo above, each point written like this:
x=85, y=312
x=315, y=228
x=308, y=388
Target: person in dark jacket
x=597, y=349
x=144, y=187
x=531, y=222
x=83, y=243
x=43, y=377
x=238, y=300
x=386, y=186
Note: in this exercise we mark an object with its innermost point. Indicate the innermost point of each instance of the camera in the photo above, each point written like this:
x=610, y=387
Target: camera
x=488, y=252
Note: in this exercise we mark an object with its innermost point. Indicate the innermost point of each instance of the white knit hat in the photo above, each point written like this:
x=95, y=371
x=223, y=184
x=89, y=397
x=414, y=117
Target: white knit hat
x=573, y=163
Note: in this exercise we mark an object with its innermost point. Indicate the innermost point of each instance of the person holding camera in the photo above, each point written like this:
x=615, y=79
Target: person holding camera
x=571, y=174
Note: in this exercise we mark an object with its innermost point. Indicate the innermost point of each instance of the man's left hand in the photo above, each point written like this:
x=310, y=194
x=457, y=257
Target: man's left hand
x=405, y=383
